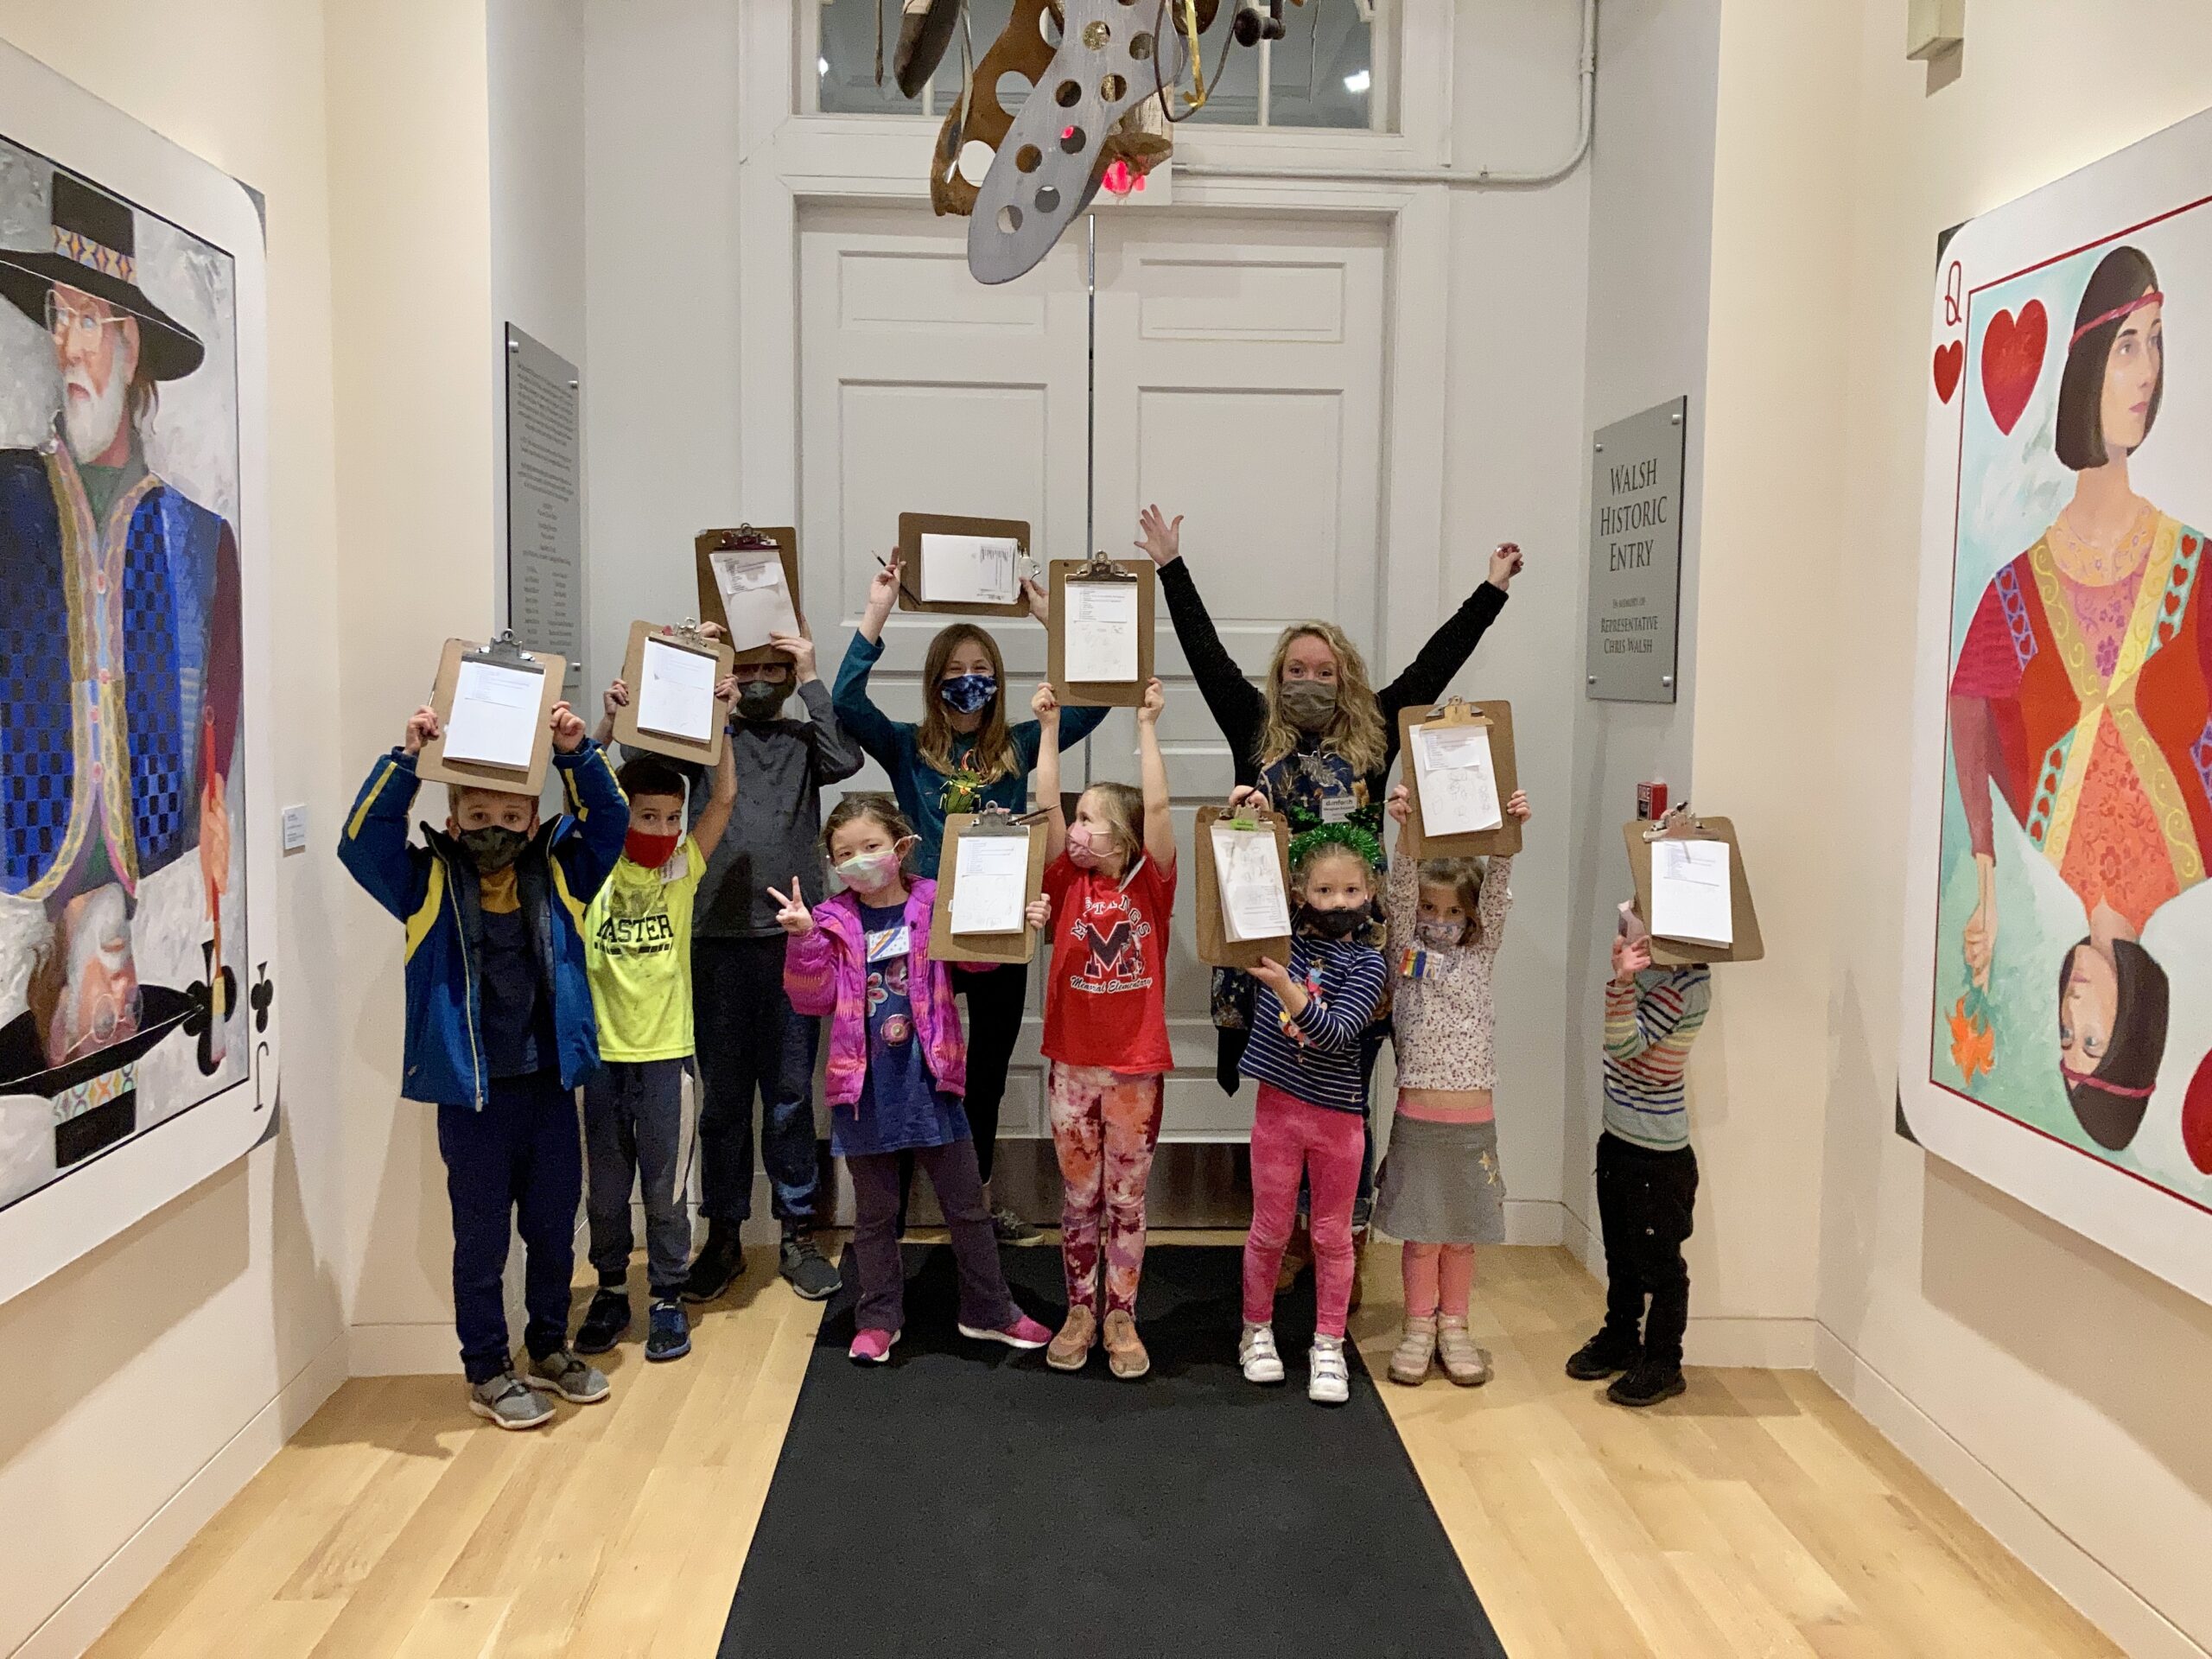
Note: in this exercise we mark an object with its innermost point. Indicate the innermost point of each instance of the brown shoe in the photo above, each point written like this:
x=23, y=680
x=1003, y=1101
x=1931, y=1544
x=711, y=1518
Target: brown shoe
x=1125, y=1354
x=1070, y=1350
x=1297, y=1256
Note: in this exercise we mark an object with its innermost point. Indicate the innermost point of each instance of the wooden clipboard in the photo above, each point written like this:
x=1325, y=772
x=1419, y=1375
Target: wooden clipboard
x=946, y=945
x=1216, y=947
x=912, y=526
x=708, y=543
x=632, y=735
x=1505, y=840
x=432, y=767
x=1098, y=694
x=1743, y=918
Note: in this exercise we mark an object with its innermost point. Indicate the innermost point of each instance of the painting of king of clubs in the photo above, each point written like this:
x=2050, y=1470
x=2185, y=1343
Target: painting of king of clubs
x=123, y=936
x=2058, y=1002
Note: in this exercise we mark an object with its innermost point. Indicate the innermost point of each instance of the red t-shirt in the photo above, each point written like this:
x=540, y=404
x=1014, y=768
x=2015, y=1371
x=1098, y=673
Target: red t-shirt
x=1105, y=1003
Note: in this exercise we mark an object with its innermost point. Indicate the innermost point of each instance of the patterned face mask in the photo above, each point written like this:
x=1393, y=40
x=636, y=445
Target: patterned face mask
x=966, y=693
x=1439, y=936
x=869, y=871
x=1310, y=705
x=494, y=847
x=760, y=699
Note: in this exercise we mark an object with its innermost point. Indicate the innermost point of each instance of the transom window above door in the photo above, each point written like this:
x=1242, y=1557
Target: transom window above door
x=1321, y=75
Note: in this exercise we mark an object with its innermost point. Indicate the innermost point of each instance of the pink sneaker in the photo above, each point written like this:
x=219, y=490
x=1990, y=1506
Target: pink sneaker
x=871, y=1347
x=1024, y=1333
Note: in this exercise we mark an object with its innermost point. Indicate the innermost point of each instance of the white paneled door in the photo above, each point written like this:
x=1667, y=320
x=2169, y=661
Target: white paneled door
x=1239, y=383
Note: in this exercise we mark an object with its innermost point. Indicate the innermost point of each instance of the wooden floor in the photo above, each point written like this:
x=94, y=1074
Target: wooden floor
x=1757, y=1515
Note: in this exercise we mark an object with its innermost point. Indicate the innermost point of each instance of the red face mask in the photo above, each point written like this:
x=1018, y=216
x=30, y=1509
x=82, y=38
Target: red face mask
x=648, y=852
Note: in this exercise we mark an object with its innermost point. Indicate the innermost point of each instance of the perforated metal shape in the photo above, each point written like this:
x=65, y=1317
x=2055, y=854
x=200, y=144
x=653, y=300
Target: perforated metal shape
x=1113, y=54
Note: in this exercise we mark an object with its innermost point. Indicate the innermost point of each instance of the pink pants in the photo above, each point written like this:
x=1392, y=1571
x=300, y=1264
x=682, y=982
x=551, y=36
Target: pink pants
x=1440, y=1279
x=1104, y=1127
x=1290, y=1137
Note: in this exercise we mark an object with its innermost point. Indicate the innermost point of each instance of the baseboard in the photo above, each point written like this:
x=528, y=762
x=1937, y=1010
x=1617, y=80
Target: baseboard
x=119, y=1580
x=2103, y=1597
x=424, y=1350
x=1766, y=1344
x=1582, y=1242
x=1534, y=1221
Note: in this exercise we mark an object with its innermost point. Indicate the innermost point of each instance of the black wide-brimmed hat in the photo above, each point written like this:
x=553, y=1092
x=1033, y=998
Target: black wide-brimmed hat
x=96, y=252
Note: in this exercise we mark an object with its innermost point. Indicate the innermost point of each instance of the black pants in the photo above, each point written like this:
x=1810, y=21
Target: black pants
x=1644, y=1204
x=996, y=999
x=750, y=1040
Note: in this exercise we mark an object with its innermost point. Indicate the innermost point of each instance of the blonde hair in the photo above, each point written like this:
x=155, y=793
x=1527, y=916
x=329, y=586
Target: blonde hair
x=993, y=756
x=1465, y=877
x=1122, y=806
x=1356, y=731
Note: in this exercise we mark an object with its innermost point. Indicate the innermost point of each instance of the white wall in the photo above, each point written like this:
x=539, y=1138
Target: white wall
x=148, y=1380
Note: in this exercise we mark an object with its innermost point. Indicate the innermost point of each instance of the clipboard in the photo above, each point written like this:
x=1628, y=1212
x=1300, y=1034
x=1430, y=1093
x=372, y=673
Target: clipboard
x=708, y=543
x=1098, y=694
x=629, y=734
x=1744, y=920
x=912, y=526
x=1505, y=840
x=431, y=765
x=1216, y=947
x=946, y=945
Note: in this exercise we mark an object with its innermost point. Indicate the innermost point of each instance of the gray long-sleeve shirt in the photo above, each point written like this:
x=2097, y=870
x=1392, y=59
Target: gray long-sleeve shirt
x=775, y=829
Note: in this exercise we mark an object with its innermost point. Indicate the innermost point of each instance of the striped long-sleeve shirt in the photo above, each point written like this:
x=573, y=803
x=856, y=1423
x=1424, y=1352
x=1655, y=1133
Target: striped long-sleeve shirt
x=1649, y=1026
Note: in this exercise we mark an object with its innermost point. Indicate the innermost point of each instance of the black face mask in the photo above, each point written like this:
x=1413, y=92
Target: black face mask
x=760, y=699
x=494, y=847
x=1331, y=924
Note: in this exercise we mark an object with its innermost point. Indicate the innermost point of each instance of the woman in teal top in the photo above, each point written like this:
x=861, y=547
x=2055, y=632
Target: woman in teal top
x=960, y=757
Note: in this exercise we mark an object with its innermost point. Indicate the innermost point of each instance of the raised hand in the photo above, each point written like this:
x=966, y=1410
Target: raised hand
x=1631, y=957
x=726, y=689
x=1505, y=564
x=1516, y=805
x=616, y=698
x=800, y=650
x=1155, y=699
x=1039, y=913
x=1250, y=794
x=1160, y=540
x=568, y=730
x=883, y=588
x=792, y=913
x=1040, y=604
x=422, y=727
x=1046, y=705
x=1401, y=804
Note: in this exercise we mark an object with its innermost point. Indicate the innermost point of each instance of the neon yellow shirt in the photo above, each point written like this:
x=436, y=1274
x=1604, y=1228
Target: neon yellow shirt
x=637, y=953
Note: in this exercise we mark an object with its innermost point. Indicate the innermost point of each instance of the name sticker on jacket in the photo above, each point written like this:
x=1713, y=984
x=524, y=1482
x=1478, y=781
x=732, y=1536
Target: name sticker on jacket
x=885, y=942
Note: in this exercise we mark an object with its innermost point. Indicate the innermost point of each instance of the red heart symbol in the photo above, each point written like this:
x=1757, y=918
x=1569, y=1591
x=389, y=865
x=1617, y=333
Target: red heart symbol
x=1950, y=364
x=2197, y=1117
x=2012, y=362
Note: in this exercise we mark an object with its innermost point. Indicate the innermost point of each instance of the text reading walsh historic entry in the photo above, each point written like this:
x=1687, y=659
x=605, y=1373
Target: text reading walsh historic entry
x=545, y=526
x=1635, y=556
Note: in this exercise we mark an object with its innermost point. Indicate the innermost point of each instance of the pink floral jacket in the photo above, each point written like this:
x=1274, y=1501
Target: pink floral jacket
x=825, y=972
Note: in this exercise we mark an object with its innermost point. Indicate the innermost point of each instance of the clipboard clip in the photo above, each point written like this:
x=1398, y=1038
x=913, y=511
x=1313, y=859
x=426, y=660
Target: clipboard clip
x=1679, y=825
x=688, y=632
x=504, y=653
x=1099, y=568
x=1245, y=817
x=1457, y=711
x=996, y=820
x=744, y=539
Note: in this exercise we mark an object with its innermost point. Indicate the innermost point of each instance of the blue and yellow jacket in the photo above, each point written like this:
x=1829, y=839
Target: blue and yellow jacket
x=434, y=890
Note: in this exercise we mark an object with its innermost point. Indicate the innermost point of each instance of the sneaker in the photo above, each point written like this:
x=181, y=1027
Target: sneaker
x=1604, y=1355
x=1011, y=1228
x=1125, y=1354
x=605, y=1321
x=1465, y=1363
x=720, y=1259
x=1070, y=1350
x=809, y=1273
x=505, y=1401
x=1416, y=1351
x=1256, y=1353
x=1647, y=1384
x=1330, y=1382
x=563, y=1373
x=668, y=1333
x=1024, y=1333
x=872, y=1347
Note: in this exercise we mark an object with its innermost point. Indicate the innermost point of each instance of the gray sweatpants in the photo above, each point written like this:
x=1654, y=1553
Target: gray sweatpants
x=633, y=1131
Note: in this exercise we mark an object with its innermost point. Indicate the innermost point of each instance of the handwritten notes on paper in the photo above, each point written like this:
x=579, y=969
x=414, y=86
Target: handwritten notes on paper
x=1101, y=647
x=1248, y=865
x=990, y=885
x=494, y=720
x=676, y=694
x=968, y=570
x=1457, y=779
x=755, y=598
x=1690, y=892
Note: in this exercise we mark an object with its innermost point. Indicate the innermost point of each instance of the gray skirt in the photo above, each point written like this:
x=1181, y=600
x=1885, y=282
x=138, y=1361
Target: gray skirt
x=1441, y=1183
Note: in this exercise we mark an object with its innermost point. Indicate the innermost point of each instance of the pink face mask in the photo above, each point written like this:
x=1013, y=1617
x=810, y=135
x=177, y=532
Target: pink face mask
x=1088, y=849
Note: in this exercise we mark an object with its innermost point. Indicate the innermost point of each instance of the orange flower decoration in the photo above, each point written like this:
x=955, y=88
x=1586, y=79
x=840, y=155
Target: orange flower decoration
x=1974, y=1044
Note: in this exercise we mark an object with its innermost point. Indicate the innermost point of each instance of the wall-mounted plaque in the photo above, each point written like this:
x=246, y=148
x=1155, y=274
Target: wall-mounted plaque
x=546, y=523
x=1635, y=556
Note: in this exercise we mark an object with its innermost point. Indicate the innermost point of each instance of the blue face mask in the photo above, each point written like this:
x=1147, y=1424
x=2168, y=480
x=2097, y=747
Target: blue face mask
x=966, y=693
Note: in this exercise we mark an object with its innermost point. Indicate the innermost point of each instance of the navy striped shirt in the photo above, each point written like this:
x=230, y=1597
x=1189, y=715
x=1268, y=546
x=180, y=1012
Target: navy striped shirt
x=1316, y=1057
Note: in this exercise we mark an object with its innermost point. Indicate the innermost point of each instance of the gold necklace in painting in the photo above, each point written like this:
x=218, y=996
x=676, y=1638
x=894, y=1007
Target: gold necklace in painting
x=2086, y=562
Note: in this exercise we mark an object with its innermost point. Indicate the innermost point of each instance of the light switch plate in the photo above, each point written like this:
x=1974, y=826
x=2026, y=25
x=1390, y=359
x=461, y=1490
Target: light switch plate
x=1933, y=27
x=296, y=828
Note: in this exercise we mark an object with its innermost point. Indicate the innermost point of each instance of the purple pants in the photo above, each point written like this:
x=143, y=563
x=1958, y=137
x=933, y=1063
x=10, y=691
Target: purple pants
x=984, y=1303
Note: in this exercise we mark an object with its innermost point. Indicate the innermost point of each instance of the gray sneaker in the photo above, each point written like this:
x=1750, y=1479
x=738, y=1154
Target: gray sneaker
x=1011, y=1228
x=506, y=1401
x=564, y=1373
x=811, y=1273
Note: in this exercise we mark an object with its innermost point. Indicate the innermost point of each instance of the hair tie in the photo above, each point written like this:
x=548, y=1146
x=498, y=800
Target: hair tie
x=2103, y=1086
x=2154, y=297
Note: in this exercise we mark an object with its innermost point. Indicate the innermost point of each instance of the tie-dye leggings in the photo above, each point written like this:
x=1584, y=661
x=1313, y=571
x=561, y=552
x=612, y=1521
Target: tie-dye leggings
x=1104, y=1127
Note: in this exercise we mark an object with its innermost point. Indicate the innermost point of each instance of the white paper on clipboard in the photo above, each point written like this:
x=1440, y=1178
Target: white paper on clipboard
x=1458, y=779
x=1691, y=893
x=675, y=693
x=1248, y=867
x=494, y=718
x=968, y=570
x=1101, y=644
x=990, y=885
x=755, y=598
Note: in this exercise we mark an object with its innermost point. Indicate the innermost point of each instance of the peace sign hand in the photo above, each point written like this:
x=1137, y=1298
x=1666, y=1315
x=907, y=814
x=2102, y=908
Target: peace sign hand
x=792, y=913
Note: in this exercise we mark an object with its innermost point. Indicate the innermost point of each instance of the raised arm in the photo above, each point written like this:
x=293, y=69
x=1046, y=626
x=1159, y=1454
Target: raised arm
x=1449, y=647
x=594, y=800
x=713, y=820
x=1402, y=889
x=1498, y=882
x=857, y=714
x=836, y=756
x=1235, y=704
x=1151, y=771
x=374, y=848
x=1046, y=705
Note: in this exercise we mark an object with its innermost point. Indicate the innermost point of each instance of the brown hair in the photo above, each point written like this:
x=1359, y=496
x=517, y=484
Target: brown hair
x=1122, y=806
x=1465, y=877
x=1355, y=733
x=2139, y=1044
x=993, y=756
x=2126, y=275
x=880, y=809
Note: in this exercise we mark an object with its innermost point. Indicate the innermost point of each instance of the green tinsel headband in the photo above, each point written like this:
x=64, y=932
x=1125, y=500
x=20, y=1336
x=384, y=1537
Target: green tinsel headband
x=1350, y=836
